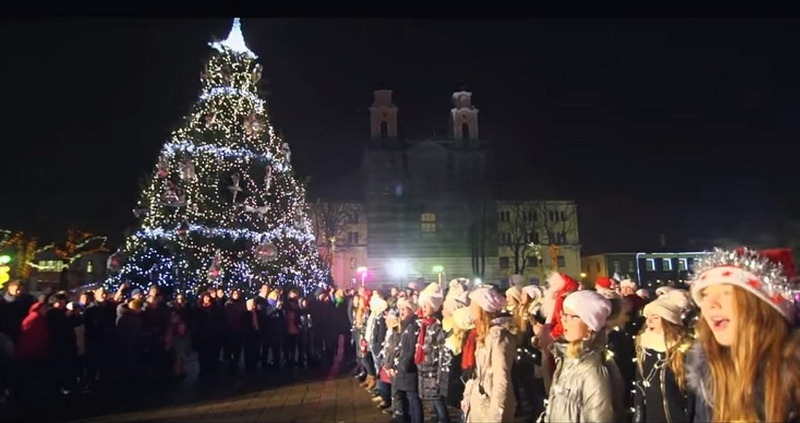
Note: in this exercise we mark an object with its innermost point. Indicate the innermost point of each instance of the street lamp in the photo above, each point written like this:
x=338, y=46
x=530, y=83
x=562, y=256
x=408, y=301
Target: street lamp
x=363, y=272
x=439, y=270
x=583, y=275
x=399, y=269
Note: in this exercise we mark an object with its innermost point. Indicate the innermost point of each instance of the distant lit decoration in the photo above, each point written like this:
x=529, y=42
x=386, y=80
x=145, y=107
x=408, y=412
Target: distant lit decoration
x=234, y=42
x=191, y=232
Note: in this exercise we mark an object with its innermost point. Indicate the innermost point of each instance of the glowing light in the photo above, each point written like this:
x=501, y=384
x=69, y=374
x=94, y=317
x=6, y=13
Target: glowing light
x=438, y=269
x=235, y=41
x=258, y=104
x=399, y=268
x=5, y=259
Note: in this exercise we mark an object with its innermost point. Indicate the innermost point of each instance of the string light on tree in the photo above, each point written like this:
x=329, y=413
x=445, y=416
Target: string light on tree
x=223, y=207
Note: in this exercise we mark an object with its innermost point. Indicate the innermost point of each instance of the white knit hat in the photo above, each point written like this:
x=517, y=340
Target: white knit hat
x=765, y=274
x=627, y=282
x=589, y=306
x=433, y=295
x=663, y=290
x=669, y=306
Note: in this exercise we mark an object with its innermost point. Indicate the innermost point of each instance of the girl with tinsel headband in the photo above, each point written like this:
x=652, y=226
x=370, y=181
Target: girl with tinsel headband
x=745, y=363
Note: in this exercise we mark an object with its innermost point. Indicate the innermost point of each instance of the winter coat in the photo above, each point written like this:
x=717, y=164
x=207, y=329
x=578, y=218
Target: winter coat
x=622, y=346
x=33, y=342
x=657, y=397
x=587, y=388
x=234, y=312
x=390, y=350
x=698, y=374
x=406, y=378
x=98, y=318
x=130, y=331
x=62, y=334
x=434, y=370
x=489, y=395
x=13, y=310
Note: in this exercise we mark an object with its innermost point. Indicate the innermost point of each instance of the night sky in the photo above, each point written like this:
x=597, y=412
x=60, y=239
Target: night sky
x=683, y=127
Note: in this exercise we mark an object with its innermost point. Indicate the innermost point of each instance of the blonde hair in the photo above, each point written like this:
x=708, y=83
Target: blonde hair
x=761, y=348
x=676, y=337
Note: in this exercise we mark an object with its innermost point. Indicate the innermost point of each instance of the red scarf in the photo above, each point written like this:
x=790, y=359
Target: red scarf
x=419, y=357
x=557, y=329
x=468, y=351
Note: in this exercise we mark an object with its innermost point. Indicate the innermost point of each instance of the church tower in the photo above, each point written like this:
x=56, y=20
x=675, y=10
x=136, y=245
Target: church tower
x=464, y=120
x=383, y=118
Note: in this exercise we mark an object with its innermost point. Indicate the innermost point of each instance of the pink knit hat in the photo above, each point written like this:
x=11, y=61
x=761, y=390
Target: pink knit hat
x=591, y=307
x=488, y=299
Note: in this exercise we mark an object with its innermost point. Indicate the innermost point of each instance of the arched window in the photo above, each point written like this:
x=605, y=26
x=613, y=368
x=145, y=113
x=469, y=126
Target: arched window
x=465, y=131
x=384, y=130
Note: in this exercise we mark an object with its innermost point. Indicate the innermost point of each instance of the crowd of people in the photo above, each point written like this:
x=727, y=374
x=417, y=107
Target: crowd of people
x=60, y=343
x=724, y=349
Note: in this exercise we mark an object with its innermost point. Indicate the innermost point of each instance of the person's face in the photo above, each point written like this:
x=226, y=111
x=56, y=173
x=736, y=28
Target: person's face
x=153, y=291
x=627, y=290
x=717, y=308
x=15, y=290
x=220, y=293
x=292, y=295
x=574, y=328
x=394, y=292
x=236, y=295
x=654, y=324
x=251, y=305
x=427, y=309
x=83, y=299
x=475, y=311
x=264, y=291
x=138, y=296
x=206, y=300
x=100, y=294
x=405, y=312
x=180, y=299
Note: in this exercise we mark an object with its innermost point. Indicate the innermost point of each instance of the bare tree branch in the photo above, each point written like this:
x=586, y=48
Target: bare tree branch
x=525, y=226
x=331, y=221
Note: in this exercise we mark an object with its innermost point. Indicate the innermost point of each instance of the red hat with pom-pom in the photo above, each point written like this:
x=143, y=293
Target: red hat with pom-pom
x=766, y=274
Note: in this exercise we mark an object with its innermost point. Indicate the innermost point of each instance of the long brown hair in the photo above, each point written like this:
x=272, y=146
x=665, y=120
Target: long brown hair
x=676, y=338
x=521, y=317
x=482, y=325
x=761, y=350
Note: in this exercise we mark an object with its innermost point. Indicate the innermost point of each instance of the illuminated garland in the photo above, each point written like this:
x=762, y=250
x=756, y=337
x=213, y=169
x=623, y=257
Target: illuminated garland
x=222, y=207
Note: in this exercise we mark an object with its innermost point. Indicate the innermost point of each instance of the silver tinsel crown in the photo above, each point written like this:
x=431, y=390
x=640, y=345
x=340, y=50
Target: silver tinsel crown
x=772, y=274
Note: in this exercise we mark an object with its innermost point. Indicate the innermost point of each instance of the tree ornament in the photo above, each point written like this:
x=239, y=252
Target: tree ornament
x=253, y=125
x=235, y=189
x=214, y=269
x=114, y=262
x=163, y=167
x=263, y=210
x=268, y=179
x=173, y=196
x=183, y=231
x=256, y=76
x=187, y=169
x=140, y=212
x=266, y=252
x=287, y=152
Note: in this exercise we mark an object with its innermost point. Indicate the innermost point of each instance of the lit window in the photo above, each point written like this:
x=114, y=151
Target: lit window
x=651, y=265
x=667, y=264
x=89, y=267
x=683, y=264
x=617, y=268
x=631, y=267
x=428, y=222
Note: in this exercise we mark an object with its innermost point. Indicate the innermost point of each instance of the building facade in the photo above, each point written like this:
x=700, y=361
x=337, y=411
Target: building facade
x=428, y=209
x=649, y=270
x=536, y=237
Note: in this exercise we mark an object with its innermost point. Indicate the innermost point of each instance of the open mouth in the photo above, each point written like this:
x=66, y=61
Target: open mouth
x=719, y=323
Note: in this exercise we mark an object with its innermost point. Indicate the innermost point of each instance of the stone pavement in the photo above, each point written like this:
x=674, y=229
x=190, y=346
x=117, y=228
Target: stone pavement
x=324, y=394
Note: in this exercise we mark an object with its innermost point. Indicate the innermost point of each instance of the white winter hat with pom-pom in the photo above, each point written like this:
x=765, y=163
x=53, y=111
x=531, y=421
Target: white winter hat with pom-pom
x=669, y=306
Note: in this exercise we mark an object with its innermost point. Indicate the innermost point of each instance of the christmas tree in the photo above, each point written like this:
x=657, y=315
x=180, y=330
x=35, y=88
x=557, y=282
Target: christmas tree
x=222, y=207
